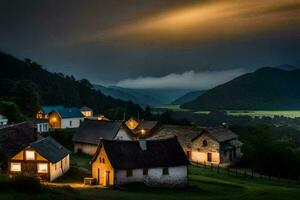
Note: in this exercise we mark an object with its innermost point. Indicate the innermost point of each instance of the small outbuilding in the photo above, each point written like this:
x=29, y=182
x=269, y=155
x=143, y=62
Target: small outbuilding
x=86, y=111
x=45, y=158
x=3, y=120
x=158, y=163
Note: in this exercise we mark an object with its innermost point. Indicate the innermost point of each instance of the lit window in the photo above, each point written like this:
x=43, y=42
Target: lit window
x=42, y=168
x=15, y=167
x=30, y=155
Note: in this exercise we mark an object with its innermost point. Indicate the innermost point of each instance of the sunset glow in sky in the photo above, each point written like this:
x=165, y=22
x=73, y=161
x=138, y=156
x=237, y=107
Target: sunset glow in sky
x=132, y=42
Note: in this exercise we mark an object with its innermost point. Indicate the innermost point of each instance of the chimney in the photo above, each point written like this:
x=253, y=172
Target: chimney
x=143, y=144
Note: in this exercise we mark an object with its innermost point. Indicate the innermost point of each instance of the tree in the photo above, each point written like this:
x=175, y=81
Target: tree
x=11, y=111
x=148, y=114
x=27, y=97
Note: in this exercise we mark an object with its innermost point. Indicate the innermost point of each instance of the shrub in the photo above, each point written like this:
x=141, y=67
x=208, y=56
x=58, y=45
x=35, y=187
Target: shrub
x=26, y=184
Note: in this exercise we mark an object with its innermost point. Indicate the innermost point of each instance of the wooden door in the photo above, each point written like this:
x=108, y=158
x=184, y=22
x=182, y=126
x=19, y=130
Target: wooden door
x=209, y=157
x=98, y=181
x=107, y=178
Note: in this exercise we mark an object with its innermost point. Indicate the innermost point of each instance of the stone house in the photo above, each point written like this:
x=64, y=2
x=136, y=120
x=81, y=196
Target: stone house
x=158, y=163
x=206, y=145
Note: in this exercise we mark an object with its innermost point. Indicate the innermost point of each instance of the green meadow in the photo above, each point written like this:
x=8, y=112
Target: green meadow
x=203, y=184
x=251, y=113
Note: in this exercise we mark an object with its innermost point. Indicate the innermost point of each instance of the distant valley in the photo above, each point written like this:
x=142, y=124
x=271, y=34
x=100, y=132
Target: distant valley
x=143, y=97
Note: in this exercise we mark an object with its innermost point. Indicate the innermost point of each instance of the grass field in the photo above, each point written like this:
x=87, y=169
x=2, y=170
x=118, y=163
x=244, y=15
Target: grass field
x=265, y=113
x=251, y=113
x=204, y=184
x=80, y=160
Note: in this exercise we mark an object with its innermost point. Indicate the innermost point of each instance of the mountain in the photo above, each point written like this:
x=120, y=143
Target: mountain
x=56, y=88
x=143, y=97
x=287, y=67
x=190, y=96
x=267, y=89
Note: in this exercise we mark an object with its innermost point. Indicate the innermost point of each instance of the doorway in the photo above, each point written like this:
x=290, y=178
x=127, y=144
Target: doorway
x=107, y=178
x=209, y=157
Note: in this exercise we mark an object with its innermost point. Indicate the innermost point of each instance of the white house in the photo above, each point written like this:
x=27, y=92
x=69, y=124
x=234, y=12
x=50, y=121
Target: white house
x=45, y=158
x=65, y=118
x=3, y=120
x=157, y=163
x=41, y=125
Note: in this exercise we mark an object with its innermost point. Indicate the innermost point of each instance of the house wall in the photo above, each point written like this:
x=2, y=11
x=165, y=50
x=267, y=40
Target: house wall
x=60, y=168
x=199, y=152
x=54, y=120
x=42, y=127
x=75, y=122
x=29, y=166
x=100, y=169
x=122, y=135
x=89, y=149
x=177, y=177
x=225, y=156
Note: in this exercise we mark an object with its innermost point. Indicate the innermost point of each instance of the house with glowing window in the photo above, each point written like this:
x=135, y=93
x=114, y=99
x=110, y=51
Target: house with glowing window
x=86, y=111
x=141, y=128
x=45, y=159
x=205, y=145
x=65, y=118
x=157, y=163
x=44, y=111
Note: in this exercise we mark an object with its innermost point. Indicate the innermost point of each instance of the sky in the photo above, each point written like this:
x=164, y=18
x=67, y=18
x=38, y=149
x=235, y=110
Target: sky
x=152, y=43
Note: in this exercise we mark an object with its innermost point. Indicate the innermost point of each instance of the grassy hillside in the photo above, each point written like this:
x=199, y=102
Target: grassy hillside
x=266, y=89
x=204, y=184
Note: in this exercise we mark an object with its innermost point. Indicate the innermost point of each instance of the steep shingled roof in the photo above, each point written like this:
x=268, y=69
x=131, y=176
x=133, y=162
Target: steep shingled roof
x=48, y=109
x=90, y=131
x=14, y=138
x=221, y=134
x=130, y=155
x=50, y=149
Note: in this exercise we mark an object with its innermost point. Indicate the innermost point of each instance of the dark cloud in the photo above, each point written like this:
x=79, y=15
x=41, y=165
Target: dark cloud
x=108, y=41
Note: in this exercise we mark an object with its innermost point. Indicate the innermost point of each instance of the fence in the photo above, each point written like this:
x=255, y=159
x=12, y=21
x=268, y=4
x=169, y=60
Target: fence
x=243, y=173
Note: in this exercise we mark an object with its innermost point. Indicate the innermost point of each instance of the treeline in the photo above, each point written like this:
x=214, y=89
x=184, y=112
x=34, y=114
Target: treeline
x=28, y=85
x=270, y=150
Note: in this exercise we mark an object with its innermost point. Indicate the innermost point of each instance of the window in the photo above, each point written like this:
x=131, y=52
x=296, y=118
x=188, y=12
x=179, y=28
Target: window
x=103, y=161
x=129, y=172
x=29, y=155
x=42, y=168
x=165, y=171
x=71, y=123
x=145, y=171
x=204, y=143
x=15, y=167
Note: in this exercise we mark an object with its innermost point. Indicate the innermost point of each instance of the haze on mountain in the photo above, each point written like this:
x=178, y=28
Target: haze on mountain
x=265, y=89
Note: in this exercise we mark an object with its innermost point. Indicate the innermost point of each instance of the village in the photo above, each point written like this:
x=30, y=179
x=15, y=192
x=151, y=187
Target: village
x=129, y=150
